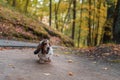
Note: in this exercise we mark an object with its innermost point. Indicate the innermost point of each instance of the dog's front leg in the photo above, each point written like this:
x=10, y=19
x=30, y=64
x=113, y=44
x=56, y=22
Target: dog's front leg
x=41, y=60
x=49, y=60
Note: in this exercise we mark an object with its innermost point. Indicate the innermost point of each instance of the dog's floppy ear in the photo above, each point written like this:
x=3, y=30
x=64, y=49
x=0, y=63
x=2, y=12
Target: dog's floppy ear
x=38, y=49
x=36, y=52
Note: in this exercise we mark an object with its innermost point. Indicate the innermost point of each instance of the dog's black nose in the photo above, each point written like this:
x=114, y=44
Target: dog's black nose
x=48, y=48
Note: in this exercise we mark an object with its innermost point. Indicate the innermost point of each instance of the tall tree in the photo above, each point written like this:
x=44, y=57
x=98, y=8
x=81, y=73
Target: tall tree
x=8, y=1
x=89, y=26
x=80, y=23
x=93, y=24
x=67, y=16
x=56, y=13
x=68, y=11
x=116, y=24
x=26, y=6
x=107, y=36
x=74, y=18
x=14, y=3
x=50, y=12
x=98, y=23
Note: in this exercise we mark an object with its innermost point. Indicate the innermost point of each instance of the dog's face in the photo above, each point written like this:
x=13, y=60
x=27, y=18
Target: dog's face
x=43, y=47
x=45, y=43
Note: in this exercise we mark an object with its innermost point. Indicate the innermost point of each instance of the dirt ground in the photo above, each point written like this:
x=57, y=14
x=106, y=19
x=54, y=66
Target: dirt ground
x=22, y=64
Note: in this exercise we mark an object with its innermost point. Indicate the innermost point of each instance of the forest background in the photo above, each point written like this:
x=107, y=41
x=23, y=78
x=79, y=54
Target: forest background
x=87, y=22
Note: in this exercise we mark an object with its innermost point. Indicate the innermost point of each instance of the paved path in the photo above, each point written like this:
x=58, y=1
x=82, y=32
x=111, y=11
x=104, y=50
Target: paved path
x=13, y=43
x=22, y=64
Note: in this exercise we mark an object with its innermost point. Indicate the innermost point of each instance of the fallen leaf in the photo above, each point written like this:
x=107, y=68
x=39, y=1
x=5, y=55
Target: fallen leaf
x=70, y=73
x=67, y=52
x=105, y=68
x=11, y=65
x=47, y=74
x=70, y=61
x=94, y=62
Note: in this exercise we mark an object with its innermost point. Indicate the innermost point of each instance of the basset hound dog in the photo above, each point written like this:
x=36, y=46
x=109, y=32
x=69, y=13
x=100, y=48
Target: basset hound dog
x=44, y=51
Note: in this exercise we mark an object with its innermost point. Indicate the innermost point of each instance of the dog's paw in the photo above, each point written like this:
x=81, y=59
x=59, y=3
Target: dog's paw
x=41, y=61
x=48, y=61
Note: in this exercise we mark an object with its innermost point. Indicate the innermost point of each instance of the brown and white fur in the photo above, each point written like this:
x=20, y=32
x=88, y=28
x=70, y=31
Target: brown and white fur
x=44, y=51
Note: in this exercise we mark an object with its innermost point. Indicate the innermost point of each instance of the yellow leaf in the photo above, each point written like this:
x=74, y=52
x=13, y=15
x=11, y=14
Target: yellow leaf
x=70, y=61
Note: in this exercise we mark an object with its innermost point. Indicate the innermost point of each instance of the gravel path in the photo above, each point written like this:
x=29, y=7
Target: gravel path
x=22, y=64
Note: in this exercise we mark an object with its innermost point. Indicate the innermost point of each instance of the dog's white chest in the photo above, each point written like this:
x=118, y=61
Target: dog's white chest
x=46, y=56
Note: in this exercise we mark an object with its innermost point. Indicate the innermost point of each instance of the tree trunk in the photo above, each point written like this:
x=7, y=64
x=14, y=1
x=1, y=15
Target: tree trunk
x=116, y=24
x=93, y=30
x=107, y=36
x=80, y=24
x=26, y=6
x=98, y=24
x=14, y=3
x=89, y=25
x=50, y=12
x=74, y=18
x=8, y=1
x=56, y=13
x=67, y=14
x=68, y=11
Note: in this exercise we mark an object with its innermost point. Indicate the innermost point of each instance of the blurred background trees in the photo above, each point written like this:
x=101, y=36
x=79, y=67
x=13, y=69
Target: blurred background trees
x=87, y=22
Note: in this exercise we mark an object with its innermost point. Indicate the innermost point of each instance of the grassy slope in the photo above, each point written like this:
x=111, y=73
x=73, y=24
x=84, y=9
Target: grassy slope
x=15, y=25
